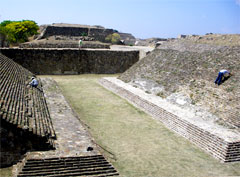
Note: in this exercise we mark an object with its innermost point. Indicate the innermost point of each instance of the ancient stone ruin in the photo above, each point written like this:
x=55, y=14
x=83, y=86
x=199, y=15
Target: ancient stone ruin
x=223, y=144
x=175, y=84
x=25, y=120
x=28, y=133
x=39, y=140
x=60, y=35
x=72, y=61
x=3, y=42
x=97, y=33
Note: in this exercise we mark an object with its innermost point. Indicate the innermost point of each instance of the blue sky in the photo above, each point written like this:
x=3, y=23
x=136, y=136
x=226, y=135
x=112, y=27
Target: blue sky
x=142, y=18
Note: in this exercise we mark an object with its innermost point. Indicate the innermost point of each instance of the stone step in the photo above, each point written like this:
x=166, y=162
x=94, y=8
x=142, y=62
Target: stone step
x=79, y=172
x=69, y=166
x=77, y=158
x=57, y=163
x=57, y=169
x=70, y=163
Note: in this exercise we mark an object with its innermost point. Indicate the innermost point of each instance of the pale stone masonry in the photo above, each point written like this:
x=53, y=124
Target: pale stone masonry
x=221, y=143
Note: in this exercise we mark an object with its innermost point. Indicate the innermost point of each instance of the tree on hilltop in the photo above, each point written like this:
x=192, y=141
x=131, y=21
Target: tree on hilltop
x=18, y=31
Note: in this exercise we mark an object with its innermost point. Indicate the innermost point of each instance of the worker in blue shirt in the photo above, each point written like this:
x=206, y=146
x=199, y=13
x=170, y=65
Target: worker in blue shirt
x=34, y=82
x=222, y=73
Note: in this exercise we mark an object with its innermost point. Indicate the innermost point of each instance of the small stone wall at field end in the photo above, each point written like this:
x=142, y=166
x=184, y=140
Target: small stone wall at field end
x=72, y=61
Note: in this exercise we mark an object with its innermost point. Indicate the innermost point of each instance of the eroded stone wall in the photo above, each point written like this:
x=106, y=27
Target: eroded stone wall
x=15, y=142
x=63, y=44
x=97, y=33
x=224, y=150
x=100, y=34
x=65, y=31
x=3, y=42
x=72, y=61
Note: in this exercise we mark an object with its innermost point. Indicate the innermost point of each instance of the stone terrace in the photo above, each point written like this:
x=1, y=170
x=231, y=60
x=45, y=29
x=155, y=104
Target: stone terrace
x=25, y=121
x=221, y=143
x=64, y=44
x=76, y=152
x=26, y=126
x=23, y=106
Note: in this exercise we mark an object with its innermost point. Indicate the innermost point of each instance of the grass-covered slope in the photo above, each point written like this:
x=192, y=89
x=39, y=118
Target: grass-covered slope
x=191, y=69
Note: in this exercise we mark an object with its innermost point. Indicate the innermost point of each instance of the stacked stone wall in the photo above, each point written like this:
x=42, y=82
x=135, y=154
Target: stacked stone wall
x=72, y=61
x=15, y=142
x=98, y=34
x=219, y=148
x=65, y=31
x=128, y=38
x=86, y=44
x=3, y=42
x=25, y=123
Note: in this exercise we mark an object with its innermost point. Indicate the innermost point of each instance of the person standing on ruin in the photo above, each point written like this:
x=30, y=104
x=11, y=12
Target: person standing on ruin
x=80, y=43
x=222, y=74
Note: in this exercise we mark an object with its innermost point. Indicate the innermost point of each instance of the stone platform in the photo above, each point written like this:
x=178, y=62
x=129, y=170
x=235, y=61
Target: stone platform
x=221, y=142
x=72, y=138
x=76, y=152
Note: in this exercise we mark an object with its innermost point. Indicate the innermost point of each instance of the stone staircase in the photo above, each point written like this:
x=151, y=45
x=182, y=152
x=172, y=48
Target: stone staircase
x=22, y=106
x=26, y=126
x=68, y=166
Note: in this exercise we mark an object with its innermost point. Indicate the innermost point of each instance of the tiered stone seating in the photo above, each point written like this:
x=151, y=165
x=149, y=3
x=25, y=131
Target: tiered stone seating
x=24, y=108
x=216, y=143
x=20, y=104
x=68, y=166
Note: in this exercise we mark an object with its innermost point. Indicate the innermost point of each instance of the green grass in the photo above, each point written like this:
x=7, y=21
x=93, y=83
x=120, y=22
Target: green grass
x=6, y=172
x=141, y=146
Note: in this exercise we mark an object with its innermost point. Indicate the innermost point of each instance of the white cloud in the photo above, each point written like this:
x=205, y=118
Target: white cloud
x=238, y=2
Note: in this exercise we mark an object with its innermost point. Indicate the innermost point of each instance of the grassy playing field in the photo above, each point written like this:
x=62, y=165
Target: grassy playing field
x=6, y=172
x=138, y=145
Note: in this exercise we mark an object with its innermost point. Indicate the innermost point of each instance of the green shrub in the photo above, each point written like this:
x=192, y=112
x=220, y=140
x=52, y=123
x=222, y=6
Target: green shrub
x=109, y=38
x=83, y=34
x=113, y=38
x=5, y=23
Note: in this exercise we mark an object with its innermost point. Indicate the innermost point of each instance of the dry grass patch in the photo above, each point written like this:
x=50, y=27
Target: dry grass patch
x=6, y=172
x=141, y=146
